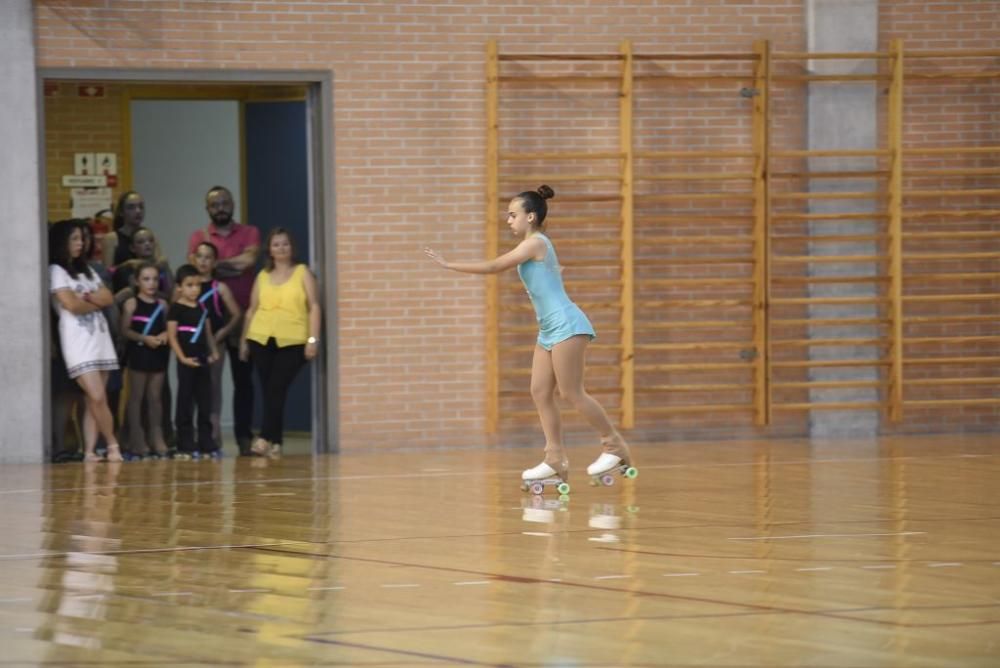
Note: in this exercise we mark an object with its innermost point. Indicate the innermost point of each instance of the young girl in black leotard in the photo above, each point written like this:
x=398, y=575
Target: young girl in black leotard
x=144, y=325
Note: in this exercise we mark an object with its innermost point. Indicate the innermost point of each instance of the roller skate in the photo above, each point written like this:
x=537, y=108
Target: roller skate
x=544, y=475
x=615, y=458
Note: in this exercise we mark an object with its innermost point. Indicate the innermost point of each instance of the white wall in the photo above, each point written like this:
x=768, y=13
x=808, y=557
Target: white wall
x=181, y=148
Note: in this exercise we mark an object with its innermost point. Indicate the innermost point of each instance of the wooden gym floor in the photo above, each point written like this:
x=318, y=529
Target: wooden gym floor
x=850, y=553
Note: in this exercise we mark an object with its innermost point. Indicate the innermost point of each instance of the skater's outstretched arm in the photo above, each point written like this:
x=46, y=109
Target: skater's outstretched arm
x=529, y=249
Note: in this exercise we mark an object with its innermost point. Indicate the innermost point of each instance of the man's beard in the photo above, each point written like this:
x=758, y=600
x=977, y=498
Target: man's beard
x=222, y=219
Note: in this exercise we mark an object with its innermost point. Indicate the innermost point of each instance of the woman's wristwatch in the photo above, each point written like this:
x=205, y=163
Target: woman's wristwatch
x=312, y=339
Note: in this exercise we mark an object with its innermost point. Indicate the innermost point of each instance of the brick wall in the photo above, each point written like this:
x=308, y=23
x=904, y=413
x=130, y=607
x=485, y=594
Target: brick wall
x=942, y=113
x=76, y=123
x=409, y=145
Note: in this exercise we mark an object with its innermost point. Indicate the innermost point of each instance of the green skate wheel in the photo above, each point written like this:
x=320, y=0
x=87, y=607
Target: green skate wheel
x=631, y=472
x=563, y=488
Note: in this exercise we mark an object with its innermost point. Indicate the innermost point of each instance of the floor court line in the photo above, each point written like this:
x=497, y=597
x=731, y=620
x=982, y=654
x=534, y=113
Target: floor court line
x=588, y=585
x=469, y=473
x=833, y=613
x=833, y=535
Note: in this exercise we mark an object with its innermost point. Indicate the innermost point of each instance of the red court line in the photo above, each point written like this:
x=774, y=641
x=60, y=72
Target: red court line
x=594, y=587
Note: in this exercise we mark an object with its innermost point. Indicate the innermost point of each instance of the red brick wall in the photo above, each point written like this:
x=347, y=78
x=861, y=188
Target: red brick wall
x=77, y=124
x=409, y=145
x=942, y=113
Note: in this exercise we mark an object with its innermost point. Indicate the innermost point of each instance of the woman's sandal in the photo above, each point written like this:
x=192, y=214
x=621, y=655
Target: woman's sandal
x=260, y=447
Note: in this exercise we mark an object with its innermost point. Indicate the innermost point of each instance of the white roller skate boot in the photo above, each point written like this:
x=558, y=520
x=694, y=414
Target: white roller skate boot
x=546, y=474
x=615, y=458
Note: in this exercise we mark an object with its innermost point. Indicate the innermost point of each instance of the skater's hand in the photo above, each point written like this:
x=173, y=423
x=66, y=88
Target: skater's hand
x=434, y=255
x=244, y=351
x=153, y=342
x=213, y=358
x=311, y=350
x=189, y=361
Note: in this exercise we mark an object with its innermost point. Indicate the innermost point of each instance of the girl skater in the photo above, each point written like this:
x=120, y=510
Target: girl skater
x=224, y=312
x=78, y=297
x=563, y=334
x=144, y=326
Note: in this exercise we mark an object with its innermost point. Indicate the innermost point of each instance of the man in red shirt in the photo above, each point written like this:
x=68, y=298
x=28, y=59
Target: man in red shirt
x=239, y=246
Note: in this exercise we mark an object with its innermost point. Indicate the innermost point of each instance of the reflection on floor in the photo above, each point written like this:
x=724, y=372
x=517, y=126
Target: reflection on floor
x=760, y=553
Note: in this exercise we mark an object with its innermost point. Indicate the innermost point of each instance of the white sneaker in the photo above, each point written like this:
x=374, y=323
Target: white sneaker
x=540, y=472
x=604, y=463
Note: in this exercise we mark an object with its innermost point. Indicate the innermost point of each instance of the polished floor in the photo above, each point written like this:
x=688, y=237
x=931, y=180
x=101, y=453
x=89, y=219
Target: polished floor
x=784, y=553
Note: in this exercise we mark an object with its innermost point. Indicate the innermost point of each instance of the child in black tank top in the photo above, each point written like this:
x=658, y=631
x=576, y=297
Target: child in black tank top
x=189, y=330
x=144, y=326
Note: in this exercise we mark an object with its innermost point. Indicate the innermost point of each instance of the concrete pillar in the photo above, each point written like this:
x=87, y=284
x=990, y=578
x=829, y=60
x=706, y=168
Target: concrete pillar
x=23, y=294
x=843, y=116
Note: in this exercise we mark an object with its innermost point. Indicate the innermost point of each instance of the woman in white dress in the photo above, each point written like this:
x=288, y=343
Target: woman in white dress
x=78, y=296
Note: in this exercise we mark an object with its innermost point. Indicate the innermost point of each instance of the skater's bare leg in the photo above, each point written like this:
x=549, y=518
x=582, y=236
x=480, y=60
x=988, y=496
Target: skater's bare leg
x=543, y=392
x=568, y=362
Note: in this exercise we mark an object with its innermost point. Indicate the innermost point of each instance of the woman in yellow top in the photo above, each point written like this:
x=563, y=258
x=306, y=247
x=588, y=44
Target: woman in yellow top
x=280, y=332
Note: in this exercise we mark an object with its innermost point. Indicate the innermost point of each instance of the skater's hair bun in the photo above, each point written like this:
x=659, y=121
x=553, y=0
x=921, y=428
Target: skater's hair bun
x=533, y=201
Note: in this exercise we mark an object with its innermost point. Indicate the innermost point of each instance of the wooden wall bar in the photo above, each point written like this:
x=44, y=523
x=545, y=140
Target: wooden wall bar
x=694, y=261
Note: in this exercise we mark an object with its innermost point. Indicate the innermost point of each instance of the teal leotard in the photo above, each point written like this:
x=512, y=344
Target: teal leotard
x=558, y=317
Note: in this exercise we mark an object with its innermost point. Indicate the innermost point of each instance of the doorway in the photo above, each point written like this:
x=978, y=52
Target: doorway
x=264, y=136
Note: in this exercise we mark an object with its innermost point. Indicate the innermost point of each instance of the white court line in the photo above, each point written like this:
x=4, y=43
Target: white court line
x=680, y=575
x=535, y=533
x=277, y=494
x=250, y=591
x=554, y=580
x=86, y=597
x=399, y=586
x=174, y=593
x=746, y=572
x=471, y=582
x=815, y=568
x=832, y=535
x=875, y=567
x=611, y=577
x=16, y=600
x=326, y=588
x=945, y=564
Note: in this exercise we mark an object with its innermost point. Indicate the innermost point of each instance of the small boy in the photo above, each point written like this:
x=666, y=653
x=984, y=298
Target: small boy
x=189, y=330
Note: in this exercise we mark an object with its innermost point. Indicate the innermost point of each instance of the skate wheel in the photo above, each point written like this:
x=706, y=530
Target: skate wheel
x=563, y=488
x=607, y=480
x=631, y=472
x=537, y=488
